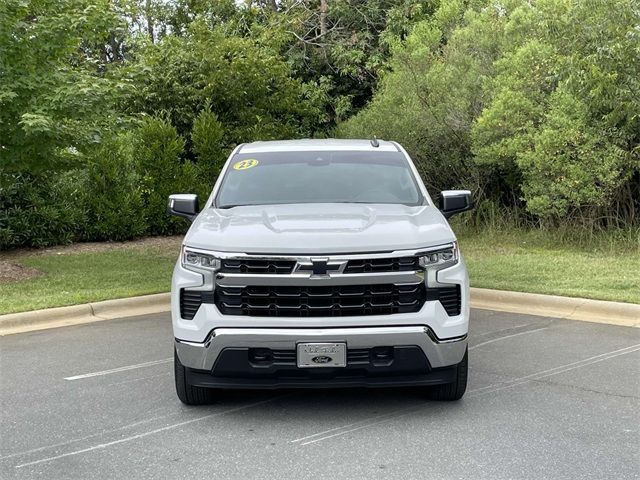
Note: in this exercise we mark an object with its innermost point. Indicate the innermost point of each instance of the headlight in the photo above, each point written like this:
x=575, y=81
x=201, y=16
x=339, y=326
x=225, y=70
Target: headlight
x=439, y=259
x=193, y=260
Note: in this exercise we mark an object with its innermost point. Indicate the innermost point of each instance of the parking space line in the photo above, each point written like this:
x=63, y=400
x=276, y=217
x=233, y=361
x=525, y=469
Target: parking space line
x=297, y=440
x=478, y=391
x=565, y=368
x=87, y=437
x=120, y=369
x=506, y=336
x=506, y=329
x=144, y=434
x=137, y=379
x=344, y=432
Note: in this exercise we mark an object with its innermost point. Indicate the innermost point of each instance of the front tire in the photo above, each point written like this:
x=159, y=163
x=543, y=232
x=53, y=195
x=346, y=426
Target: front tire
x=187, y=393
x=454, y=390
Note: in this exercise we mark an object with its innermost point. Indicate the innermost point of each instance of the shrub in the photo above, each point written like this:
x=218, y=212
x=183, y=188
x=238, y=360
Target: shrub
x=157, y=152
x=112, y=196
x=39, y=210
x=206, y=137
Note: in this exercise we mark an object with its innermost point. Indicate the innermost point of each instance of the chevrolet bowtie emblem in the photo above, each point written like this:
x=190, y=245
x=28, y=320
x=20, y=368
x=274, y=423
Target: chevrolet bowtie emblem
x=320, y=267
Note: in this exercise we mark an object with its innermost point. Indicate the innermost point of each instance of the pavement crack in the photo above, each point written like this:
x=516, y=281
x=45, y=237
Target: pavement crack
x=569, y=315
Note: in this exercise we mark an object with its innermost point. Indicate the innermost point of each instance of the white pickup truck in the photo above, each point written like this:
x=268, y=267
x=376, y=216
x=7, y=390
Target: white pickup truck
x=320, y=263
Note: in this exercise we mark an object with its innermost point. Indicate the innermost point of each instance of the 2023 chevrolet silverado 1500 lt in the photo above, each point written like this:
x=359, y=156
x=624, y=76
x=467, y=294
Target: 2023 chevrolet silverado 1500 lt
x=320, y=263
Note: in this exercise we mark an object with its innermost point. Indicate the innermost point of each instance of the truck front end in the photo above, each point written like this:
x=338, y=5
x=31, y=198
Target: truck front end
x=320, y=264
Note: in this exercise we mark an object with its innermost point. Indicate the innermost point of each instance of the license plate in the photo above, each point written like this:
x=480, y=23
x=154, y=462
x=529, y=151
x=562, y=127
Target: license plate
x=318, y=355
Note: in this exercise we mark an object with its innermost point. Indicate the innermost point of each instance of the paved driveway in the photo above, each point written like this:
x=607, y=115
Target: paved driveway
x=547, y=399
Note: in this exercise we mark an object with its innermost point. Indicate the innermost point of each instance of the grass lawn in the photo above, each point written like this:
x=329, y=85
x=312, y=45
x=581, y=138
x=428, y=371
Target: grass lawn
x=73, y=278
x=526, y=262
x=537, y=262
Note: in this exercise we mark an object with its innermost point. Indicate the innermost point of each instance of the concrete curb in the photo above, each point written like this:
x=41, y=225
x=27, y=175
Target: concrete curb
x=86, y=313
x=625, y=314
x=598, y=311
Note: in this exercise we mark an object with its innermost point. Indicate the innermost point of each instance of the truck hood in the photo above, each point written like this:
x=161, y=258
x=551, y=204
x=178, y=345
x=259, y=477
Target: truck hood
x=318, y=228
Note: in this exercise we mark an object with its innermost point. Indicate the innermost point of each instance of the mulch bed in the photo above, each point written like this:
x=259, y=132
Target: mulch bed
x=13, y=272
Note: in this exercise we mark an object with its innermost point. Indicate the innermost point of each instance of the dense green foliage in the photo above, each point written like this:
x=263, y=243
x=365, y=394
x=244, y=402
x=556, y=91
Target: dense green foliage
x=111, y=192
x=108, y=106
x=39, y=211
x=245, y=83
x=533, y=105
x=57, y=90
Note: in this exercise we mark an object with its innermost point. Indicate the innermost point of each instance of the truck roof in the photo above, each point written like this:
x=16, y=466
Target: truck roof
x=310, y=144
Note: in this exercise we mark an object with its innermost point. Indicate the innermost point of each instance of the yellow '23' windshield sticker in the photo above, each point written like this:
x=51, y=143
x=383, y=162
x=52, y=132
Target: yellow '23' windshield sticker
x=245, y=164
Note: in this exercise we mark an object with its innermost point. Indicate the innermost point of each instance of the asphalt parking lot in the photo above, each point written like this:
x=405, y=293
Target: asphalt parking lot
x=547, y=399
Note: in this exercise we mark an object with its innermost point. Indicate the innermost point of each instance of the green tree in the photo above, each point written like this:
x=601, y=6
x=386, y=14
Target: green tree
x=563, y=109
x=57, y=90
x=532, y=105
x=246, y=85
x=344, y=45
x=433, y=93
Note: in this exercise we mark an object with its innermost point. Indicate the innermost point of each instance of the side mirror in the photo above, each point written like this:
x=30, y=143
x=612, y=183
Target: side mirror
x=455, y=201
x=183, y=205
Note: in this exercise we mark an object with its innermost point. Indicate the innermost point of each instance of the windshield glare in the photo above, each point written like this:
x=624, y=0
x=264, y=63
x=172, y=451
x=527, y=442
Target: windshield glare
x=318, y=177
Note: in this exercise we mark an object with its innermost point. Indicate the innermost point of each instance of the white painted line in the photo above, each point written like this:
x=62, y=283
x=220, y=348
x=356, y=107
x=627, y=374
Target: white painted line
x=344, y=432
x=302, y=439
x=120, y=369
x=480, y=391
x=75, y=440
x=493, y=332
x=137, y=379
x=566, y=368
x=348, y=425
x=145, y=434
x=554, y=371
x=506, y=336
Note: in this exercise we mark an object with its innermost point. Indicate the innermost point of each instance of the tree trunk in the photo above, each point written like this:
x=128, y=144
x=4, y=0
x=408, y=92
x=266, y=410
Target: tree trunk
x=149, y=20
x=272, y=4
x=324, y=9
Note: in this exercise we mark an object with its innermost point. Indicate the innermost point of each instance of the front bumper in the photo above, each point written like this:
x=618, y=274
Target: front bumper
x=204, y=356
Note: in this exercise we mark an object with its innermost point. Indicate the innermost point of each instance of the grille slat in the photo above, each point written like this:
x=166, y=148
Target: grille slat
x=190, y=302
x=319, y=301
x=254, y=265
x=359, y=356
x=449, y=297
x=284, y=357
x=397, y=264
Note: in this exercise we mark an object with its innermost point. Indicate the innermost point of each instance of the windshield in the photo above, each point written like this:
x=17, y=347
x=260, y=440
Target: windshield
x=318, y=177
